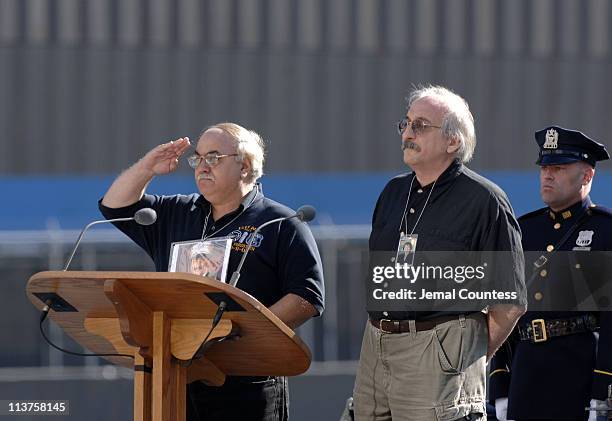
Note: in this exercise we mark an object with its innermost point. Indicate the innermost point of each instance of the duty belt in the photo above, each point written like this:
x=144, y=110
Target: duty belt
x=540, y=330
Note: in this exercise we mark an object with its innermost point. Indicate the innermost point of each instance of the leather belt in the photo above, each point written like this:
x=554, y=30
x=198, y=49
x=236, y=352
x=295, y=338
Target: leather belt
x=402, y=326
x=540, y=330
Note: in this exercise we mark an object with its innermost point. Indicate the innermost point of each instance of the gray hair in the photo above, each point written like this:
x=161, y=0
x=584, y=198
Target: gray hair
x=249, y=146
x=458, y=121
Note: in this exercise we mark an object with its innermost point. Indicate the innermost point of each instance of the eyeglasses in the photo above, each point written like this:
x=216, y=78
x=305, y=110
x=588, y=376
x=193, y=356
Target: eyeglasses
x=211, y=159
x=418, y=126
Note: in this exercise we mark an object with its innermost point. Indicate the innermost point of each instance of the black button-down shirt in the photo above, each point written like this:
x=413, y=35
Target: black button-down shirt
x=465, y=212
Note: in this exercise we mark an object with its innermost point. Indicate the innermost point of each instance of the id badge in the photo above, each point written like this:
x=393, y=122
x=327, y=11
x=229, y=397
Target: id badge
x=406, y=249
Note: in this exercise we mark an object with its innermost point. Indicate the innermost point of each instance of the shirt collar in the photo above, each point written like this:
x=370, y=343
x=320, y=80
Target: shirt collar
x=449, y=175
x=571, y=212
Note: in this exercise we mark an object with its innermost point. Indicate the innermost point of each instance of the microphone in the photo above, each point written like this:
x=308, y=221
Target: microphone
x=145, y=216
x=305, y=213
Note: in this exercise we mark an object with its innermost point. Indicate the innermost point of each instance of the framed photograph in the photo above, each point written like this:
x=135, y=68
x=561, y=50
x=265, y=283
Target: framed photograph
x=201, y=257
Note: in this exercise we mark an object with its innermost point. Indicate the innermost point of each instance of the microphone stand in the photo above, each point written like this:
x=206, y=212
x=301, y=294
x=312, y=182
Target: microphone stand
x=83, y=233
x=236, y=274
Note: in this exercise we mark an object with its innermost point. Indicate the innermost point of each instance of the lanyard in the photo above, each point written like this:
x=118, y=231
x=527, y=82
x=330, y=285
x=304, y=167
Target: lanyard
x=404, y=217
x=204, y=237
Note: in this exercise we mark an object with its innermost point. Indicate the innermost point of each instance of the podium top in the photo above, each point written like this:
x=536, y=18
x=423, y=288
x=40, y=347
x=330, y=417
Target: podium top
x=266, y=346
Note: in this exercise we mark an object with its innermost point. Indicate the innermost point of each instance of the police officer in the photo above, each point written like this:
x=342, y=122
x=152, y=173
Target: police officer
x=559, y=361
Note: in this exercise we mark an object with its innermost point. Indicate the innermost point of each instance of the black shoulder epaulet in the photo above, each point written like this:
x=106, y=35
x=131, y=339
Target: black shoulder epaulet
x=538, y=212
x=601, y=210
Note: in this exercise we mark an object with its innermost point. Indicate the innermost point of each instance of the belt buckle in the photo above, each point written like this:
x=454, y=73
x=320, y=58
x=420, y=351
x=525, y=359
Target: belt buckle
x=540, y=261
x=381, y=325
x=541, y=336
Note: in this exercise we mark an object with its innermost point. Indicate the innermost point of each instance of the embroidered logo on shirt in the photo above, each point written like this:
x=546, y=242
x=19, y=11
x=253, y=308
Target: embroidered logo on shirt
x=551, y=139
x=242, y=236
x=584, y=238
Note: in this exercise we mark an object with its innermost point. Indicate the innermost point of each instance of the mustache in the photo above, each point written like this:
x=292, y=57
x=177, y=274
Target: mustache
x=410, y=145
x=204, y=176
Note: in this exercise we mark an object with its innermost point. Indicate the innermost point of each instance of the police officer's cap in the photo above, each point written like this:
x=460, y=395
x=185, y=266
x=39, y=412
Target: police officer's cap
x=563, y=146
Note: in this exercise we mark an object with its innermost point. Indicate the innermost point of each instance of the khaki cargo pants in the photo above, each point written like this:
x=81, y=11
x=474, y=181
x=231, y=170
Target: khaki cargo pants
x=437, y=374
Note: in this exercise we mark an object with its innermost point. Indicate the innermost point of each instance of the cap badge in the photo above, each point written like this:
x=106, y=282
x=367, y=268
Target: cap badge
x=551, y=139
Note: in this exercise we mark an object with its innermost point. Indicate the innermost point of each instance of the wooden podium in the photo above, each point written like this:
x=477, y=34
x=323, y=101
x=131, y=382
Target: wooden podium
x=162, y=319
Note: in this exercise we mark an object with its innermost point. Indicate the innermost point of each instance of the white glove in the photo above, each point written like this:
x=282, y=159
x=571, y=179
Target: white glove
x=596, y=403
x=501, y=409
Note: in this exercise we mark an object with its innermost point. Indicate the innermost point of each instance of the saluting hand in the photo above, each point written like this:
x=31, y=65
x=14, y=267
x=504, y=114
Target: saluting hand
x=164, y=159
x=129, y=187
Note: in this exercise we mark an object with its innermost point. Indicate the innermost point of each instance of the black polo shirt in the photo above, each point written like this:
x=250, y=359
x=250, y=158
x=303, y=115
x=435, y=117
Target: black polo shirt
x=465, y=212
x=285, y=258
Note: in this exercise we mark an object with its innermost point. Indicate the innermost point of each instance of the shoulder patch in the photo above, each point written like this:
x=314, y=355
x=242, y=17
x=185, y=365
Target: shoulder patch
x=529, y=215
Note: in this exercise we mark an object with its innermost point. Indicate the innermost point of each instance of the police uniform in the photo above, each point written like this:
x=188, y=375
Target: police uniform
x=559, y=357
x=284, y=260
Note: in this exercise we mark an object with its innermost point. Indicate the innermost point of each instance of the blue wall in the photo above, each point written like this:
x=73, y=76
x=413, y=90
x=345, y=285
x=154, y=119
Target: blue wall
x=71, y=202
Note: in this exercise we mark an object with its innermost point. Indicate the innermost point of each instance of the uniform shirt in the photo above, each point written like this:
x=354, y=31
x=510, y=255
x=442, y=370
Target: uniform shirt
x=285, y=258
x=564, y=372
x=465, y=212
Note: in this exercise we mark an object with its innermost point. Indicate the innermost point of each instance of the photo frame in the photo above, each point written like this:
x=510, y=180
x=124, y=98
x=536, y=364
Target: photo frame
x=208, y=258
